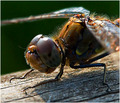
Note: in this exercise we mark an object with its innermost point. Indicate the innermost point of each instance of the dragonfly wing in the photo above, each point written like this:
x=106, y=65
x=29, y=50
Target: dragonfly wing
x=63, y=13
x=106, y=32
x=73, y=10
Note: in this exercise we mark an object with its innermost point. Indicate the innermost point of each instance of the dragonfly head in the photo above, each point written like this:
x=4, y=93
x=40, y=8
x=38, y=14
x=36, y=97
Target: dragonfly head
x=43, y=54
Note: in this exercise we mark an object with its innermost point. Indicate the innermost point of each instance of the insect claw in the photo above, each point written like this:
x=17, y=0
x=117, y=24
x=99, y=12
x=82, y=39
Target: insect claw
x=23, y=77
x=11, y=79
x=16, y=78
x=108, y=87
x=24, y=90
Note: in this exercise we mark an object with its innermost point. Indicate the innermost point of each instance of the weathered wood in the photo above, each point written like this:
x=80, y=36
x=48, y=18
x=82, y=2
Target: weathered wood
x=82, y=85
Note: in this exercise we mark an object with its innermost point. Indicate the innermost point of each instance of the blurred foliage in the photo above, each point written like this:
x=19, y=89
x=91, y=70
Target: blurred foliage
x=16, y=37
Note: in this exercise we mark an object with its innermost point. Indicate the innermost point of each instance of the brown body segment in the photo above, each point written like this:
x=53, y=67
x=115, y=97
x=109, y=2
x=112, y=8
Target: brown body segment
x=71, y=32
x=78, y=42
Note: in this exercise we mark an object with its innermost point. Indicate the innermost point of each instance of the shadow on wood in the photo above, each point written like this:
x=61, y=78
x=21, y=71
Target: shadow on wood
x=82, y=85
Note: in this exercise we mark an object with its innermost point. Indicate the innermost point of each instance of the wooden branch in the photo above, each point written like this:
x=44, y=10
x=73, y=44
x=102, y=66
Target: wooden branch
x=82, y=85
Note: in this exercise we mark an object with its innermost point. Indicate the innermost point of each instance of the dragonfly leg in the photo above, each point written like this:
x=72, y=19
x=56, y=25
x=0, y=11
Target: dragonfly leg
x=23, y=77
x=47, y=81
x=96, y=58
x=95, y=65
x=60, y=73
x=104, y=83
x=56, y=78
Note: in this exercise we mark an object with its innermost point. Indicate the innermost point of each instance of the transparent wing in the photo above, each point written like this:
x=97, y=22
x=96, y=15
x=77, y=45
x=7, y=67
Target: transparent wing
x=106, y=33
x=73, y=10
x=63, y=13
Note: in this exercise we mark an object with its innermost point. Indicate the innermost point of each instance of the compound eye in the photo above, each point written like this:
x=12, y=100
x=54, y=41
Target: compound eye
x=48, y=52
x=36, y=39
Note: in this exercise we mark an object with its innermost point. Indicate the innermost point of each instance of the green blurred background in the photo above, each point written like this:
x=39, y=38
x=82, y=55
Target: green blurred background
x=16, y=37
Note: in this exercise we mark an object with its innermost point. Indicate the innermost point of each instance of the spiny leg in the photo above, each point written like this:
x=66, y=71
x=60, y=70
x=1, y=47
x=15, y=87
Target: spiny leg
x=23, y=77
x=97, y=57
x=104, y=78
x=95, y=65
x=57, y=77
x=48, y=81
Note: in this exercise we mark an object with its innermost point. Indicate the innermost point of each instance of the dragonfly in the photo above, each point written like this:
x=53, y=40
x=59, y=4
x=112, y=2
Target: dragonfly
x=83, y=39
